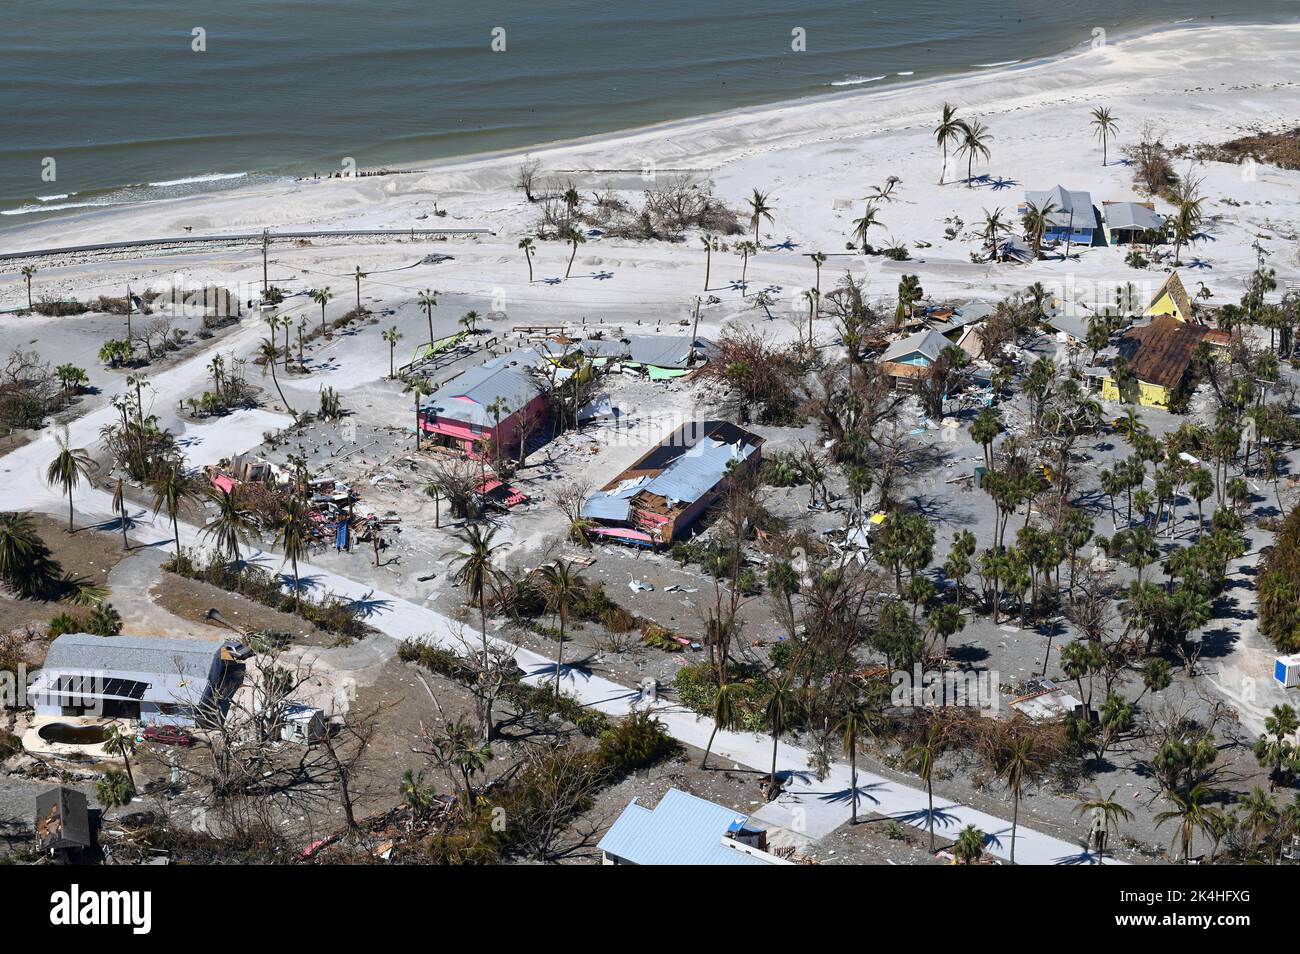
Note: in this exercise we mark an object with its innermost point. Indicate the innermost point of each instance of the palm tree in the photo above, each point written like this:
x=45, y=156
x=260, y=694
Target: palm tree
x=268, y=352
x=1105, y=125
x=526, y=246
x=984, y=431
x=562, y=586
x=419, y=389
x=921, y=759
x=359, y=275
x=759, y=209
x=322, y=296
x=575, y=238
x=171, y=488
x=710, y=246
x=114, y=789
x=121, y=744
x=856, y=722
x=392, y=336
x=778, y=708
x=119, y=504
x=469, y=320
x=1110, y=812
x=1192, y=814
x=862, y=226
x=19, y=543
x=725, y=716
x=1036, y=221
x=994, y=223
x=230, y=527
x=292, y=532
x=950, y=129
x=975, y=137
x=68, y=468
x=1017, y=757
x=28, y=271
x=969, y=847
x=473, y=568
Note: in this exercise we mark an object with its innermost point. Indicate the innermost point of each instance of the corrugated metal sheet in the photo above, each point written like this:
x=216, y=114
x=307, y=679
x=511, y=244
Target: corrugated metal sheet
x=468, y=397
x=680, y=830
x=668, y=351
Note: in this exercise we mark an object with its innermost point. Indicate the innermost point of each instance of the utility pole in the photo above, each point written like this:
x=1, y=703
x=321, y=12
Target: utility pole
x=128, y=315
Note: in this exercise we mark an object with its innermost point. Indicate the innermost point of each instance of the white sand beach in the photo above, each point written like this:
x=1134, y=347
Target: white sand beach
x=817, y=158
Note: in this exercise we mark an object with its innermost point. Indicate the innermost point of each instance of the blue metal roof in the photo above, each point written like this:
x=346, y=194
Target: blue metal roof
x=680, y=830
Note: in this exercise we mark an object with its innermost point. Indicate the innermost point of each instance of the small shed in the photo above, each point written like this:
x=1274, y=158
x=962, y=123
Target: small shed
x=62, y=822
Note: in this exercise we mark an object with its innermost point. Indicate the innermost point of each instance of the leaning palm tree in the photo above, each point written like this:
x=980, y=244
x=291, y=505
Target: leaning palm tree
x=322, y=296
x=292, y=532
x=119, y=504
x=68, y=468
x=428, y=299
x=114, y=789
x=28, y=271
x=1105, y=126
x=268, y=352
x=474, y=569
x=759, y=209
x=121, y=744
x=975, y=137
x=171, y=488
x=949, y=130
x=862, y=226
x=575, y=238
x=1108, y=810
x=563, y=586
x=922, y=758
x=725, y=716
x=230, y=527
x=526, y=246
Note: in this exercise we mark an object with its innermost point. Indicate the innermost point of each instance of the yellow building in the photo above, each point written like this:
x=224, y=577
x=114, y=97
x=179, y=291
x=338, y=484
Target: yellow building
x=1172, y=299
x=1159, y=355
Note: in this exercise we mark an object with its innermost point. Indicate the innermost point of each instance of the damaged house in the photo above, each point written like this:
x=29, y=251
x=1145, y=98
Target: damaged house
x=496, y=404
x=656, y=499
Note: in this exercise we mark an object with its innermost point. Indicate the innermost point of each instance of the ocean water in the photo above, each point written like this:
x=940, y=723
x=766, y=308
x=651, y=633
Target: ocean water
x=112, y=96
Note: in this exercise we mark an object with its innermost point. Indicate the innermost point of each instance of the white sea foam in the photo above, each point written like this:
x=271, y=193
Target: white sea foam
x=857, y=80
x=190, y=180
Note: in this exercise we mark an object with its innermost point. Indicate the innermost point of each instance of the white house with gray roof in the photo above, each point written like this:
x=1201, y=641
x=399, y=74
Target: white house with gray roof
x=156, y=681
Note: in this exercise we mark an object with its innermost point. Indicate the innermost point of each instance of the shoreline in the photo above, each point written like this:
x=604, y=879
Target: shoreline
x=856, y=96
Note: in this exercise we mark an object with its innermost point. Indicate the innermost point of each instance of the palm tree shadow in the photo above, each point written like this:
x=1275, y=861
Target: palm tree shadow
x=845, y=796
x=368, y=605
x=1084, y=857
x=921, y=818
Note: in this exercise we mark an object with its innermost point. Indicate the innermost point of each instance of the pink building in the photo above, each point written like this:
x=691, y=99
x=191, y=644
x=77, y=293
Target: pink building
x=500, y=402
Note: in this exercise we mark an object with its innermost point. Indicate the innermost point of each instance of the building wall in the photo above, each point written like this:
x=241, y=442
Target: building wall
x=505, y=435
x=1149, y=395
x=1061, y=233
x=1164, y=305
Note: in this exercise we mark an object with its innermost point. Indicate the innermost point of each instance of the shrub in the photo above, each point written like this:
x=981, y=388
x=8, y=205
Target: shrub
x=10, y=744
x=62, y=624
x=636, y=742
